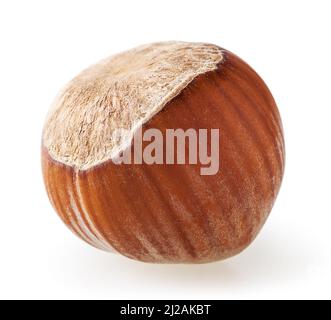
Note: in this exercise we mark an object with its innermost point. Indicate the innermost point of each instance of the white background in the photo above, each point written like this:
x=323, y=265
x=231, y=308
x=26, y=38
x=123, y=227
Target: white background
x=43, y=44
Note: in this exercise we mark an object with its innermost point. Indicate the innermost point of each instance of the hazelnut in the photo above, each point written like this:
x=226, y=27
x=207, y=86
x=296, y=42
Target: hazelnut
x=154, y=211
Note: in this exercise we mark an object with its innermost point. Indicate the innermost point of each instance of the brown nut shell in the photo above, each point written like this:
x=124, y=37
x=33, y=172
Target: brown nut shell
x=172, y=213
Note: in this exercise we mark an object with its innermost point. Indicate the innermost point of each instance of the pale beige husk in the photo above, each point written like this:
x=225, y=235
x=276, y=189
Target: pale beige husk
x=121, y=92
